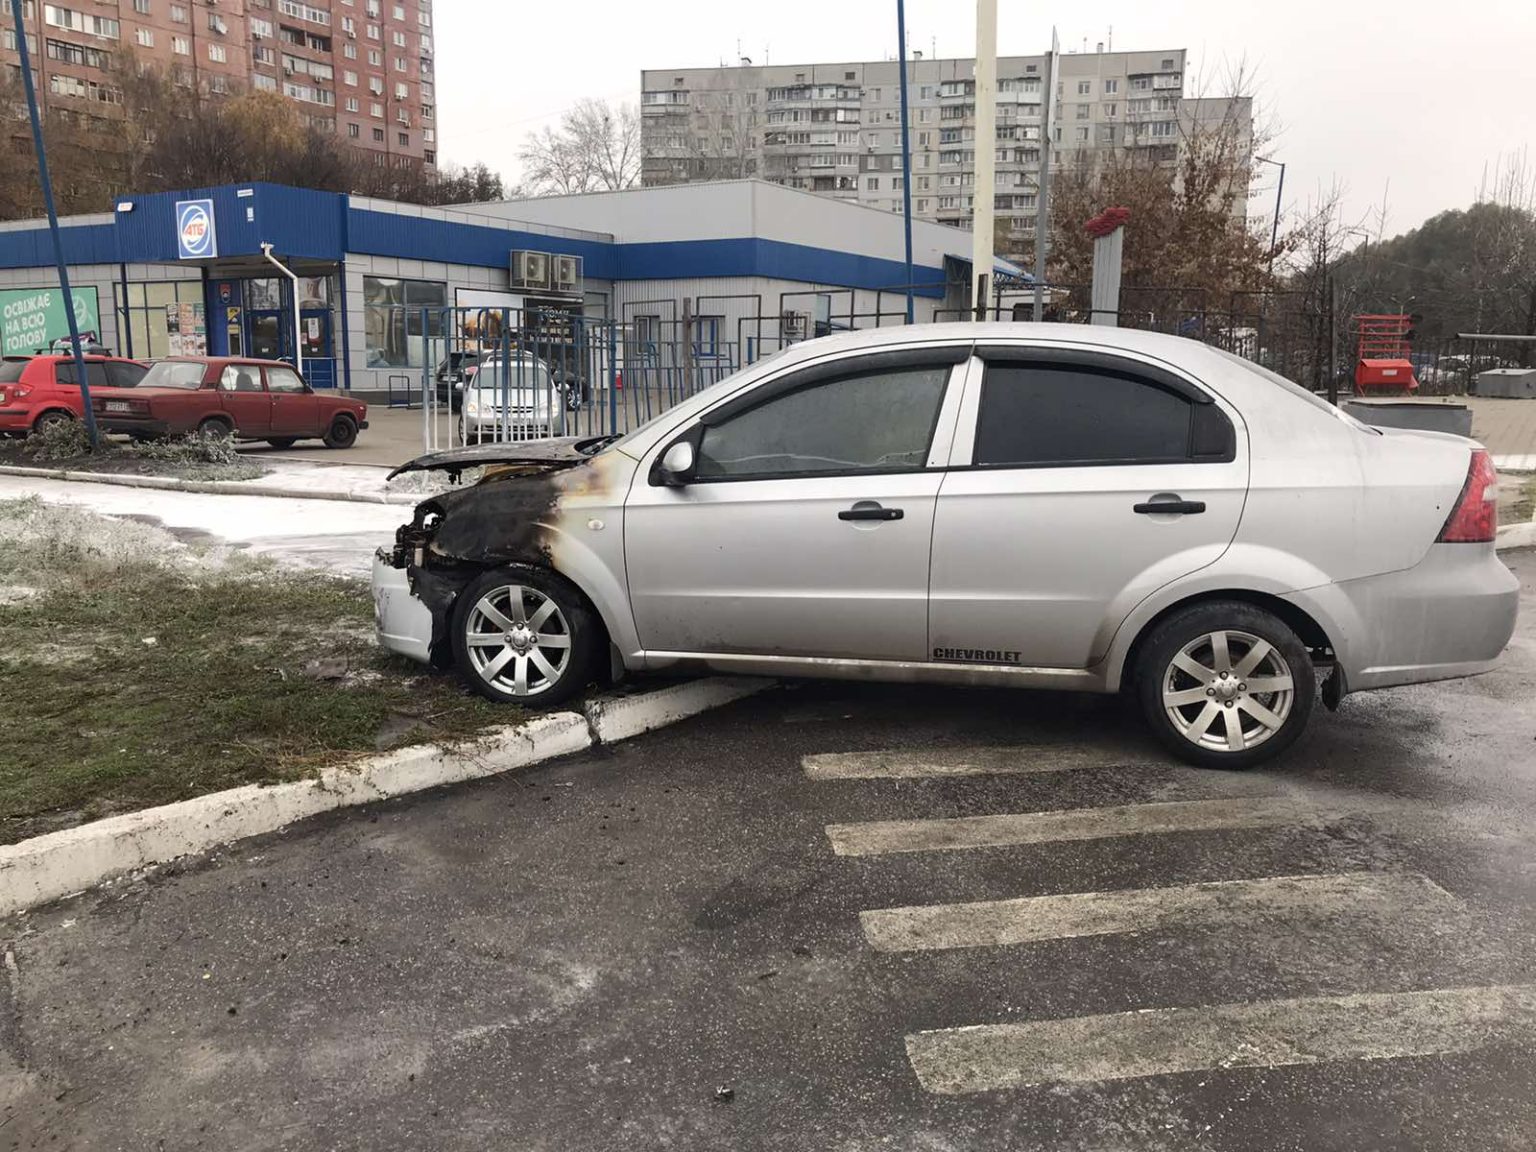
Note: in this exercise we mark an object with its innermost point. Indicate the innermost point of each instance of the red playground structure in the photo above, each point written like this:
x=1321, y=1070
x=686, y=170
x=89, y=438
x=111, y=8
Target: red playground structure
x=1382, y=364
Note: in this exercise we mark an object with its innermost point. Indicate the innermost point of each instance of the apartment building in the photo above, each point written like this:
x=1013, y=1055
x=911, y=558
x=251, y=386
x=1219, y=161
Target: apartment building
x=836, y=128
x=363, y=69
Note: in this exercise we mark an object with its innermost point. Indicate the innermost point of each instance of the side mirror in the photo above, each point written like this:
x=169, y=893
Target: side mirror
x=677, y=464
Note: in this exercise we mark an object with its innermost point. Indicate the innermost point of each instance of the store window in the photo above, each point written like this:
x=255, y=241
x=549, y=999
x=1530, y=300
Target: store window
x=393, y=315
x=149, y=323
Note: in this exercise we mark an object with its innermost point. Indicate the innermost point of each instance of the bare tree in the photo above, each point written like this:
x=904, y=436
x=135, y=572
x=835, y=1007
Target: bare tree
x=595, y=149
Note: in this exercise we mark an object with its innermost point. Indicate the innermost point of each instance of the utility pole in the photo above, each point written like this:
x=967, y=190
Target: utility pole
x=53, y=223
x=906, y=152
x=983, y=219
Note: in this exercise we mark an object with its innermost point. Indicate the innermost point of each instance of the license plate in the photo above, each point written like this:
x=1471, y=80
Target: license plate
x=118, y=406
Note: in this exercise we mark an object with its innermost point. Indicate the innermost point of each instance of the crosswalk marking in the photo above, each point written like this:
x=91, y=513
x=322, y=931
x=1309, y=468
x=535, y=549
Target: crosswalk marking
x=881, y=837
x=1267, y=1034
x=904, y=764
x=1072, y=914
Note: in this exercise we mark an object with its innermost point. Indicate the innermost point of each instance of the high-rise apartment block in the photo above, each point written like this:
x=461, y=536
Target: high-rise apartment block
x=360, y=68
x=836, y=128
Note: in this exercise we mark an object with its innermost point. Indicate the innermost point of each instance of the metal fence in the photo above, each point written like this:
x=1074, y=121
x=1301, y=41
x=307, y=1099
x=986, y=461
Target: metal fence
x=525, y=373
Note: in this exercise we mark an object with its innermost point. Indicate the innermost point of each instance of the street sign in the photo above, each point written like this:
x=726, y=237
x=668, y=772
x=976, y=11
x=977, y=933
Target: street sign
x=196, y=237
x=32, y=318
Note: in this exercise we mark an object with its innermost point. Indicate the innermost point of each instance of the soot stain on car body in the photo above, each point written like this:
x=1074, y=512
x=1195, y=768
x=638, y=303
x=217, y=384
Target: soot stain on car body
x=514, y=514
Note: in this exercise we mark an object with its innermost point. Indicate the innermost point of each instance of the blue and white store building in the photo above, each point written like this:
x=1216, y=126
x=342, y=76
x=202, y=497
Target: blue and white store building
x=348, y=284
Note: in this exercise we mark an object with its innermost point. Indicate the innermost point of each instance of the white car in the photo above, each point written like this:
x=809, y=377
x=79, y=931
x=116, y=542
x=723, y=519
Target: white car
x=1038, y=505
x=511, y=398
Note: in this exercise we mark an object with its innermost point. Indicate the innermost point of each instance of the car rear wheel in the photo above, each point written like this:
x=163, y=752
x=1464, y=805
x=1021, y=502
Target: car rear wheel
x=214, y=428
x=52, y=420
x=342, y=433
x=283, y=441
x=523, y=635
x=1226, y=685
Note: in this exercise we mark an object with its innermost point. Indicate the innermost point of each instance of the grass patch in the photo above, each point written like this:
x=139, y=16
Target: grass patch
x=135, y=670
x=193, y=457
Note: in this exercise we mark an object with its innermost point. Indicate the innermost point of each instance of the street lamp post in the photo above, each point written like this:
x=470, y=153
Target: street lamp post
x=1274, y=231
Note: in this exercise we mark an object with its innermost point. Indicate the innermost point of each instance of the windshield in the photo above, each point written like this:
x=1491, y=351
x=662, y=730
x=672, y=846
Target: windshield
x=494, y=375
x=11, y=370
x=174, y=374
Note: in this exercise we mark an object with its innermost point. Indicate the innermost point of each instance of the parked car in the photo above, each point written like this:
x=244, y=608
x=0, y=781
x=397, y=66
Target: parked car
x=1036, y=505
x=223, y=396
x=36, y=391
x=511, y=399
x=452, y=371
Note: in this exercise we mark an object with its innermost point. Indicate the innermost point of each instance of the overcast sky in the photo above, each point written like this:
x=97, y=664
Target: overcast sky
x=1405, y=100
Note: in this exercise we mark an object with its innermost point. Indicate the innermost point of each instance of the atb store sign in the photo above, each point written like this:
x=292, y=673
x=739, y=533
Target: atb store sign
x=32, y=318
x=196, y=238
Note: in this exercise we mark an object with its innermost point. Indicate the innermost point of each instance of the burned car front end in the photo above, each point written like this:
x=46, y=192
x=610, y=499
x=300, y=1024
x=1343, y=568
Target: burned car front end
x=555, y=505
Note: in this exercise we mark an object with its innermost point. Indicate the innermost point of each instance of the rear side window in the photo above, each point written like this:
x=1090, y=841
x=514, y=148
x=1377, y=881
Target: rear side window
x=95, y=373
x=11, y=370
x=1044, y=414
x=874, y=421
x=125, y=375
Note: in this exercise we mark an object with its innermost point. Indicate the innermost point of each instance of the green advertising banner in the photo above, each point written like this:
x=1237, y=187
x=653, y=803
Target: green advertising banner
x=32, y=318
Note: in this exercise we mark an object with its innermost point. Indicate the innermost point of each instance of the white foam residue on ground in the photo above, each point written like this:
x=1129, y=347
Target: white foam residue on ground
x=332, y=535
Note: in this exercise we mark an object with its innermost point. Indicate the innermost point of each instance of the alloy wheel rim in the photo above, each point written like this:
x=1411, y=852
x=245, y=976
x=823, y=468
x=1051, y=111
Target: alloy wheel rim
x=1228, y=691
x=518, y=640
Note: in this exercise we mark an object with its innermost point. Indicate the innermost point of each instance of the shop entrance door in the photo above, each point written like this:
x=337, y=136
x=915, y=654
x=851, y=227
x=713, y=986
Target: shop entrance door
x=270, y=336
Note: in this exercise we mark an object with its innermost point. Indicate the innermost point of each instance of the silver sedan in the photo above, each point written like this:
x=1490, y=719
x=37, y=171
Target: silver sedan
x=1007, y=504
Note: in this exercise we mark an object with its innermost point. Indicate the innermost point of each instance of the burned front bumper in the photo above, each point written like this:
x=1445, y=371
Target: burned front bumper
x=404, y=624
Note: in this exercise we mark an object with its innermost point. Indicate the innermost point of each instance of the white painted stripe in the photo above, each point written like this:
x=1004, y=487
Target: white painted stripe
x=905, y=765
x=1072, y=914
x=1268, y=1034
x=881, y=837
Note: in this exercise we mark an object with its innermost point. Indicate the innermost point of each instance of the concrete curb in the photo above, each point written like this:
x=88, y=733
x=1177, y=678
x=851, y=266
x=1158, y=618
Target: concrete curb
x=1516, y=536
x=620, y=717
x=207, y=487
x=61, y=864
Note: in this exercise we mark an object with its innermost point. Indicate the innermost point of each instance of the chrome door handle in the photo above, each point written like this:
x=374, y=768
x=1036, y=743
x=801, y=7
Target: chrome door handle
x=1170, y=506
x=866, y=510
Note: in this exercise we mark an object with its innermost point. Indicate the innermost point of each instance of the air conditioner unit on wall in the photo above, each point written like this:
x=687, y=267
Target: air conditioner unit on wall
x=530, y=270
x=567, y=274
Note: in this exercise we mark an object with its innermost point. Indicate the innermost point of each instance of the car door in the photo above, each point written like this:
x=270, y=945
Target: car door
x=1081, y=482
x=295, y=409
x=804, y=528
x=242, y=396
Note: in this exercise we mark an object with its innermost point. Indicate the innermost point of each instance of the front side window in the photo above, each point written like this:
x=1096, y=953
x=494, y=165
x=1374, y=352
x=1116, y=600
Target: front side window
x=1044, y=414
x=284, y=380
x=871, y=421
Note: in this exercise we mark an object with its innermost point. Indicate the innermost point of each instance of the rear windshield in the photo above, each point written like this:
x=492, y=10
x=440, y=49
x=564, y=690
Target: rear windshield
x=11, y=370
x=173, y=374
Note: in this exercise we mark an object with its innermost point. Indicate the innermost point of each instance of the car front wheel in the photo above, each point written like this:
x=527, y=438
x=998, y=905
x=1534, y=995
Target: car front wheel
x=341, y=434
x=523, y=635
x=1226, y=685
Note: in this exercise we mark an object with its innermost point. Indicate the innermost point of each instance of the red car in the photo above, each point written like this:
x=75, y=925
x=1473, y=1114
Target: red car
x=223, y=396
x=40, y=390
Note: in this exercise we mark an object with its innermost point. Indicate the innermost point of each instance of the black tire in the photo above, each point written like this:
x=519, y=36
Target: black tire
x=52, y=420
x=216, y=428
x=342, y=433
x=283, y=441
x=1214, y=705
x=574, y=619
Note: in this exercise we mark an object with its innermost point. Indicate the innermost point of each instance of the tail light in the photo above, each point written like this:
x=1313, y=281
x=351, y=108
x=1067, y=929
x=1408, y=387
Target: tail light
x=1475, y=519
x=20, y=391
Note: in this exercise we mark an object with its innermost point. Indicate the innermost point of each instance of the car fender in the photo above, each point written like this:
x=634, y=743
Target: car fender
x=574, y=558
x=1243, y=568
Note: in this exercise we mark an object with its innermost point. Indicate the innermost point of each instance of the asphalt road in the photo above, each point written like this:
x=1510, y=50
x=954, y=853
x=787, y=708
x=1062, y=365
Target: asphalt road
x=661, y=945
